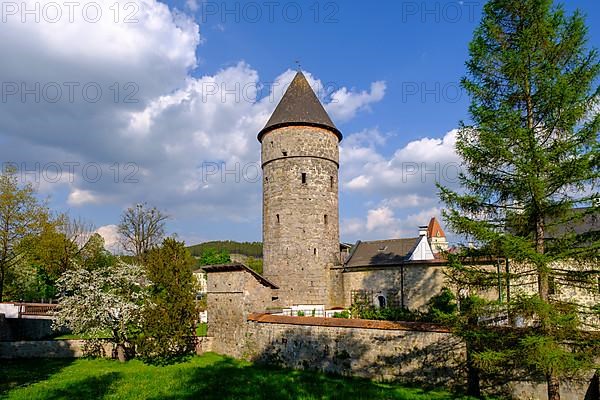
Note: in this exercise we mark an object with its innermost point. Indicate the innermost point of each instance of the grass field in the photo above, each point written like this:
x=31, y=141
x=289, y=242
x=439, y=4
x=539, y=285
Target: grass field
x=209, y=376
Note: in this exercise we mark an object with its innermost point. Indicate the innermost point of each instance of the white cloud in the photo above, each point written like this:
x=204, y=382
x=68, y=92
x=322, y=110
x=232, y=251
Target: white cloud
x=383, y=222
x=79, y=197
x=360, y=182
x=192, y=5
x=411, y=170
x=379, y=218
x=346, y=103
x=186, y=144
x=110, y=234
x=399, y=190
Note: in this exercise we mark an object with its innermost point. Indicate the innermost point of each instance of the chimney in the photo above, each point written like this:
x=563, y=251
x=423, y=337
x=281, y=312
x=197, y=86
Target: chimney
x=423, y=230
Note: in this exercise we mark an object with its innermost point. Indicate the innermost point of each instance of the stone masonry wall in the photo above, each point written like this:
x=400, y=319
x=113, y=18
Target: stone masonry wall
x=420, y=284
x=372, y=349
x=584, y=290
x=300, y=219
x=231, y=296
x=427, y=354
x=69, y=348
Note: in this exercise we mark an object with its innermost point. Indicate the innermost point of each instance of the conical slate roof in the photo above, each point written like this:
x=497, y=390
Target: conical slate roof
x=299, y=107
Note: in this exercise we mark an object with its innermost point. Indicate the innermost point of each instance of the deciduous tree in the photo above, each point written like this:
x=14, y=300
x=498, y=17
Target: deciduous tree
x=21, y=216
x=109, y=299
x=141, y=229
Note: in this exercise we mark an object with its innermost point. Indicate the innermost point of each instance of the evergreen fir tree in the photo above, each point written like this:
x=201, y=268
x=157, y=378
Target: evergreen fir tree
x=531, y=158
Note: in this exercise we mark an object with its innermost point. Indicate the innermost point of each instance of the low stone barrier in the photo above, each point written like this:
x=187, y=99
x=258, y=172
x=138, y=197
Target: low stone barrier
x=427, y=354
x=415, y=352
x=70, y=348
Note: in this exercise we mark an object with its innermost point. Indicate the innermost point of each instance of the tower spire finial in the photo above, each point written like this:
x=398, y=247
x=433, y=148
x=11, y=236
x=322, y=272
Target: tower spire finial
x=298, y=66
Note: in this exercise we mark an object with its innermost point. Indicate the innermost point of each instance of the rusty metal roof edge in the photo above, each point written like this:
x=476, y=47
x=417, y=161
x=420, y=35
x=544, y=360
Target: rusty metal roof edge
x=347, y=323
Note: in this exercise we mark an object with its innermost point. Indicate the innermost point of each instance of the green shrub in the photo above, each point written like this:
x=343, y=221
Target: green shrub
x=366, y=310
x=342, y=314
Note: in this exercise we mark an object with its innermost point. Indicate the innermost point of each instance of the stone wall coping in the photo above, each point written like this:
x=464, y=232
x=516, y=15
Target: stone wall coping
x=348, y=323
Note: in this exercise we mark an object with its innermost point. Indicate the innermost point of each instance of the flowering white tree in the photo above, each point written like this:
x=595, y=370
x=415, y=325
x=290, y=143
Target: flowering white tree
x=107, y=299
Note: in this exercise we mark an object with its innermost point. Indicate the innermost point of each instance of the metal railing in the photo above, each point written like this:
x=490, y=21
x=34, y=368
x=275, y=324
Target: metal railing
x=39, y=309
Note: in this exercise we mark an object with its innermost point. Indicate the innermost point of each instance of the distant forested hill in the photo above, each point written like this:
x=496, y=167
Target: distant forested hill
x=251, y=249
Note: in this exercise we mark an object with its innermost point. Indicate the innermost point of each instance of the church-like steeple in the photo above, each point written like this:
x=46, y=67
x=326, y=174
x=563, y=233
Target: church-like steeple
x=299, y=107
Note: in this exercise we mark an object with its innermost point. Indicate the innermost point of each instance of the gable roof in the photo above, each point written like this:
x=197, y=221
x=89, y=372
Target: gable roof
x=299, y=107
x=239, y=267
x=585, y=220
x=381, y=252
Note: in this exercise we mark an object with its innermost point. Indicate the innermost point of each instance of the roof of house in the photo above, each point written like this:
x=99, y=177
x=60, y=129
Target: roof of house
x=381, y=252
x=434, y=229
x=299, y=107
x=239, y=267
x=584, y=220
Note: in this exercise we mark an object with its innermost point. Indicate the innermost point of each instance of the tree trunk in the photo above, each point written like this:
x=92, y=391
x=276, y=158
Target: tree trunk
x=121, y=355
x=543, y=285
x=473, y=386
x=1, y=282
x=553, y=387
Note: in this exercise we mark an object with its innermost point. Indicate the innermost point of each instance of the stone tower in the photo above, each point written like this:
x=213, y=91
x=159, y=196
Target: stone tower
x=300, y=160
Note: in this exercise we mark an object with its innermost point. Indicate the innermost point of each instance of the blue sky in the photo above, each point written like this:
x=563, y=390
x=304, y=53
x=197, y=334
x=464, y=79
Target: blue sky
x=393, y=68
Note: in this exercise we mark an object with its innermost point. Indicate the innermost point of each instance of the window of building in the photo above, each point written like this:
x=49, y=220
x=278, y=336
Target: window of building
x=325, y=219
x=381, y=301
x=315, y=251
x=277, y=218
x=284, y=153
x=331, y=182
x=304, y=177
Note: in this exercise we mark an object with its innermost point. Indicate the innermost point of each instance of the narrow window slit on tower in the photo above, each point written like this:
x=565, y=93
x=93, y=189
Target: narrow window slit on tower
x=304, y=177
x=277, y=218
x=284, y=153
x=331, y=182
x=315, y=251
x=325, y=219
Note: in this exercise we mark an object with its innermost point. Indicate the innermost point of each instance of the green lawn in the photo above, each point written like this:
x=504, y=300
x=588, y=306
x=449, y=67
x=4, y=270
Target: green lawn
x=201, y=329
x=210, y=376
